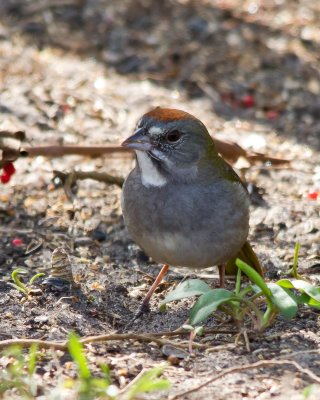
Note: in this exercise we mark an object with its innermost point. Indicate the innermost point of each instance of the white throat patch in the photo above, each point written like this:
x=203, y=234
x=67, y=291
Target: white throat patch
x=150, y=176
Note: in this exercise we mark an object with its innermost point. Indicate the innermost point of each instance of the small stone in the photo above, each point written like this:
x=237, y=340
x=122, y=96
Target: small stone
x=171, y=351
x=173, y=360
x=99, y=235
x=82, y=241
x=41, y=319
x=142, y=257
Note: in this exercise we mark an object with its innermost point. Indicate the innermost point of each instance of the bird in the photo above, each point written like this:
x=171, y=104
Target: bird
x=182, y=203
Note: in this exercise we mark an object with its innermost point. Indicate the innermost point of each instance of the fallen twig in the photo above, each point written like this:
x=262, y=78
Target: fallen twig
x=136, y=336
x=142, y=337
x=207, y=331
x=59, y=151
x=241, y=368
x=230, y=150
x=69, y=179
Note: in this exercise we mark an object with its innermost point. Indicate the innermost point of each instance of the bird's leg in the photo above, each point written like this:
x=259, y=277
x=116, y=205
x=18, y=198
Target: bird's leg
x=145, y=304
x=222, y=270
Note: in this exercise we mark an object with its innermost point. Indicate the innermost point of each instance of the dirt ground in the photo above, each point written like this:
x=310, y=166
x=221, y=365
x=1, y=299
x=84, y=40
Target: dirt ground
x=83, y=72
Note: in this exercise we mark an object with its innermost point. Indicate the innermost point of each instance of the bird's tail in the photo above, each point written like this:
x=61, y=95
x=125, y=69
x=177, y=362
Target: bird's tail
x=247, y=255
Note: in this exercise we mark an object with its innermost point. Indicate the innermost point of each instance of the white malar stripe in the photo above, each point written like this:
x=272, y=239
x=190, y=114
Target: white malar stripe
x=155, y=131
x=149, y=174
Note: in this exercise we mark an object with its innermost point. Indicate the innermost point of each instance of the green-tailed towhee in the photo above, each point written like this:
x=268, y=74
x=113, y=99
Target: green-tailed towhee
x=182, y=203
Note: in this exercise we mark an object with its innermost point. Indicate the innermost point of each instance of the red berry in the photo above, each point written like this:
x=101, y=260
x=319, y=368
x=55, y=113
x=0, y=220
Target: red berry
x=65, y=108
x=247, y=101
x=9, y=168
x=17, y=242
x=272, y=114
x=5, y=178
x=312, y=195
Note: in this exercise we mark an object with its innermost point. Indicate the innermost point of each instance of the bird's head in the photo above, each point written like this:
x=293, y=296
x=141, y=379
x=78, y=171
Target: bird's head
x=173, y=139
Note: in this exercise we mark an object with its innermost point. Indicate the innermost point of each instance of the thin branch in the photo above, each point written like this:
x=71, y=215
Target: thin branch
x=230, y=150
x=68, y=179
x=136, y=336
x=26, y=343
x=241, y=368
x=142, y=337
x=59, y=151
x=207, y=331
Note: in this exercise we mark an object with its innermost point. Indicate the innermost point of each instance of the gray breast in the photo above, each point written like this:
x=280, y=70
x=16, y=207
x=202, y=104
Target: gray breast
x=195, y=226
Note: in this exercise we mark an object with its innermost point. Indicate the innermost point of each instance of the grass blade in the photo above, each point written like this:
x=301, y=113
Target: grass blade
x=254, y=277
x=77, y=353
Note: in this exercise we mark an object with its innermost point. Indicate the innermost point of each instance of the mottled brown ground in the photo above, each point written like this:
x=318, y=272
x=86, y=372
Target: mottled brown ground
x=84, y=72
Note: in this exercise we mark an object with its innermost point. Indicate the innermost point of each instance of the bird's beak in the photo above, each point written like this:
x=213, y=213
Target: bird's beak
x=138, y=141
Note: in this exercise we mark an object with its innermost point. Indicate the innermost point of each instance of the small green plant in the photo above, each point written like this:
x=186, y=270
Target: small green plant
x=86, y=385
x=21, y=287
x=311, y=391
x=294, y=269
x=20, y=372
x=259, y=301
x=194, y=331
x=148, y=382
x=20, y=377
x=89, y=387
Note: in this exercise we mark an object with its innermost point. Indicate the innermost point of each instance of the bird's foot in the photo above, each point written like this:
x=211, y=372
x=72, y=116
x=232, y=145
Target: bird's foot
x=143, y=309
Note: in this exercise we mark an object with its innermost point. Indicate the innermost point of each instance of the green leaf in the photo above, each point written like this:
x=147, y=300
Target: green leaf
x=313, y=303
x=14, y=350
x=299, y=299
x=192, y=287
x=77, y=353
x=285, y=303
x=106, y=372
x=148, y=382
x=162, y=308
x=302, y=299
x=15, y=277
x=35, y=277
x=20, y=289
x=302, y=286
x=254, y=277
x=309, y=391
x=32, y=359
x=199, y=330
x=238, y=282
x=208, y=303
x=294, y=268
x=285, y=283
x=99, y=384
x=295, y=257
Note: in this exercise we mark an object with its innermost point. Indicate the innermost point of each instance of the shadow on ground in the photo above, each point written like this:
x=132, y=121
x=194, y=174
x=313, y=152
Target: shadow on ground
x=253, y=64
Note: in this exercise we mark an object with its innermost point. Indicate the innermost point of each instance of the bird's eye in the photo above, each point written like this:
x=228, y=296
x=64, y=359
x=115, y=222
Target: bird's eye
x=173, y=136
